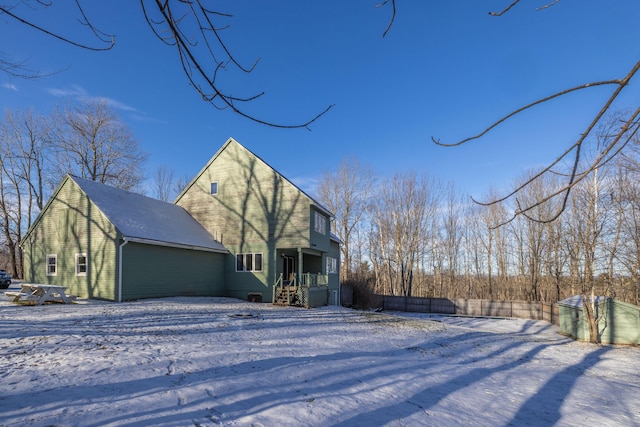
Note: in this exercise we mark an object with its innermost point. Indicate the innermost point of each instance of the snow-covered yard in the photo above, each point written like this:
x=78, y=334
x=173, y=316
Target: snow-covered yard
x=216, y=361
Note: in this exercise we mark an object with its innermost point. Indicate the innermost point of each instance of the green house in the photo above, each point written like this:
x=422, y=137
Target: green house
x=619, y=323
x=278, y=237
x=104, y=242
x=239, y=229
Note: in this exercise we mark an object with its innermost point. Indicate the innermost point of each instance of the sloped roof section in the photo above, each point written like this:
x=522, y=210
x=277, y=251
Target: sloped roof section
x=141, y=217
x=317, y=204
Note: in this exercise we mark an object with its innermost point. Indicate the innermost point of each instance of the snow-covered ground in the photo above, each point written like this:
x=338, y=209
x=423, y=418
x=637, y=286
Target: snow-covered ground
x=216, y=361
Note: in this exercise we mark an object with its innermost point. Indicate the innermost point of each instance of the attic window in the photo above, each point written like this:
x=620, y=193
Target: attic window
x=214, y=188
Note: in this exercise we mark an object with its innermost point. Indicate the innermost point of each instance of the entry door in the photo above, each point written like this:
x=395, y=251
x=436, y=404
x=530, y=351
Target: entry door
x=288, y=268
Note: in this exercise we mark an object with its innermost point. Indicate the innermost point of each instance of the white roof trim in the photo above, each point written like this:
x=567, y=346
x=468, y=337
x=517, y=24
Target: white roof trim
x=172, y=245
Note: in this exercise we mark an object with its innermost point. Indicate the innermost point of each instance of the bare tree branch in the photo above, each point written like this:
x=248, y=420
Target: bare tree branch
x=98, y=33
x=393, y=14
x=505, y=10
x=17, y=68
x=102, y=36
x=626, y=133
x=202, y=53
x=169, y=29
x=554, y=2
x=515, y=2
x=526, y=107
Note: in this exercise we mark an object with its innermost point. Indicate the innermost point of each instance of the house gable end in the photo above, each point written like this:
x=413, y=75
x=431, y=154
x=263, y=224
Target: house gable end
x=253, y=203
x=71, y=225
x=233, y=142
x=59, y=195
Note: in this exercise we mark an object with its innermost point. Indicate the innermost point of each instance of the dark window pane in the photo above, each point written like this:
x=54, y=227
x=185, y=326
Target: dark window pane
x=258, y=262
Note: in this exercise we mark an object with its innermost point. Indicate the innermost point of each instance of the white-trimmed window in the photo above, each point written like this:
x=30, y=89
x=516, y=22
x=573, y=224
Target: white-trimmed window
x=249, y=262
x=52, y=265
x=320, y=223
x=332, y=265
x=214, y=188
x=81, y=264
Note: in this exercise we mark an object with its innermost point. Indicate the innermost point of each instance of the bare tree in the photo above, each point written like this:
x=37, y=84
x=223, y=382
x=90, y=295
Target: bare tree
x=536, y=234
x=450, y=248
x=402, y=217
x=93, y=143
x=475, y=238
x=586, y=235
x=557, y=258
x=164, y=184
x=628, y=251
x=181, y=183
x=346, y=193
x=11, y=211
x=492, y=241
x=452, y=234
x=23, y=151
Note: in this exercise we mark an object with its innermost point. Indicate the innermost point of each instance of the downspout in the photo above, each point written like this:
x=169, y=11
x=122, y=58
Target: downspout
x=124, y=242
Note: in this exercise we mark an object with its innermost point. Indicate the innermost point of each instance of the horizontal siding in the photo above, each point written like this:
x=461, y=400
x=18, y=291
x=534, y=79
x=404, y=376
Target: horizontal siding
x=241, y=284
x=334, y=279
x=254, y=204
x=317, y=297
x=620, y=324
x=71, y=224
x=151, y=271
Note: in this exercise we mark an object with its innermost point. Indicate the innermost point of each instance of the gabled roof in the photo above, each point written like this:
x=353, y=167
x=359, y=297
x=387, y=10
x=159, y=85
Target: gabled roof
x=152, y=221
x=314, y=202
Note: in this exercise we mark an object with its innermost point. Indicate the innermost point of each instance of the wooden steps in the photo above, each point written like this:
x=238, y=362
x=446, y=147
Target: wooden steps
x=282, y=297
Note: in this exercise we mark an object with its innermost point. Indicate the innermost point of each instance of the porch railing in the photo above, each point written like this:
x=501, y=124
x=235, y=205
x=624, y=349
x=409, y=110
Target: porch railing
x=312, y=280
x=299, y=292
x=285, y=289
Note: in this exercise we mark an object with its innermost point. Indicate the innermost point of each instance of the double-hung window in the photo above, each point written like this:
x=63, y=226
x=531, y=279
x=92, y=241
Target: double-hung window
x=52, y=265
x=81, y=264
x=320, y=223
x=332, y=265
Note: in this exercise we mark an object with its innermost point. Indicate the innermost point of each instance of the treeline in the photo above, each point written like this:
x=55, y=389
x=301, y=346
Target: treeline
x=86, y=139
x=415, y=236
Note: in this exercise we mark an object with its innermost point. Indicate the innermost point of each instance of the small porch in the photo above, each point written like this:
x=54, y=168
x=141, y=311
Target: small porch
x=302, y=290
x=299, y=278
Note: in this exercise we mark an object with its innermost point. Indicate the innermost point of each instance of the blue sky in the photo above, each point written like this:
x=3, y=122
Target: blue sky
x=446, y=69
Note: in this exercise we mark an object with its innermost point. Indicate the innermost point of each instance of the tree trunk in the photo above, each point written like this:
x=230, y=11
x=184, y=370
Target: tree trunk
x=589, y=308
